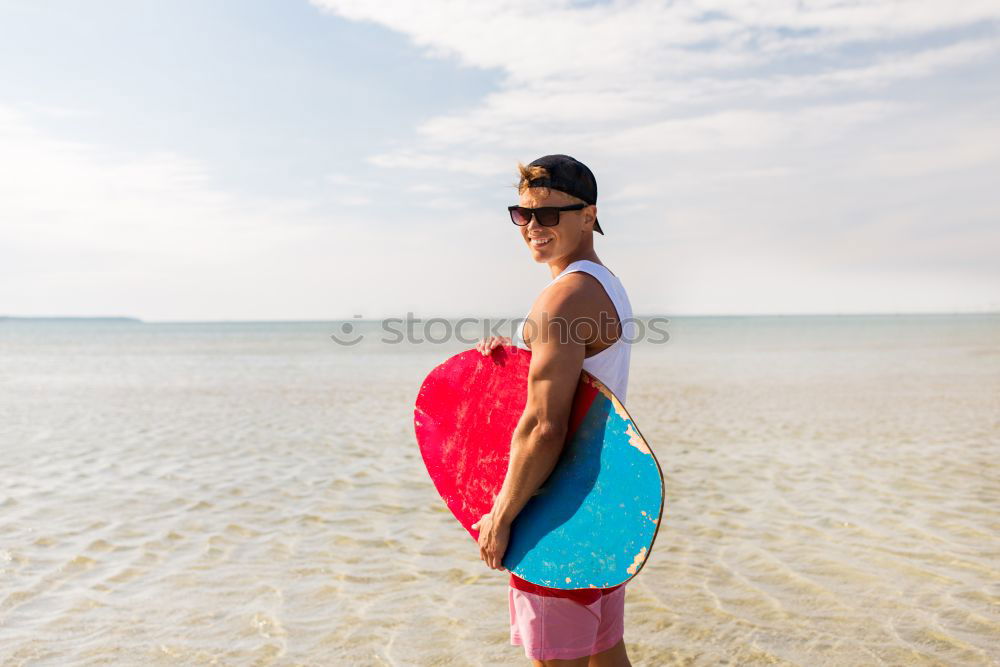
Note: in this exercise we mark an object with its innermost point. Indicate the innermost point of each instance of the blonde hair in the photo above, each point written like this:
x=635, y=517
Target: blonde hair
x=528, y=174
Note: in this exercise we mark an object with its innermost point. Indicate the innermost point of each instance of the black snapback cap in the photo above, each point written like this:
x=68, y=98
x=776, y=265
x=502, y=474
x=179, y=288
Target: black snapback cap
x=568, y=175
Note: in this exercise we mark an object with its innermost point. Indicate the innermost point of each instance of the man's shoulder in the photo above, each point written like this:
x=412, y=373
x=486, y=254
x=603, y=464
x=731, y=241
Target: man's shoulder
x=577, y=293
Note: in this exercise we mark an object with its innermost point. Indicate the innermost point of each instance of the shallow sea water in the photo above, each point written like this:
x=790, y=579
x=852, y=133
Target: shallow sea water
x=252, y=494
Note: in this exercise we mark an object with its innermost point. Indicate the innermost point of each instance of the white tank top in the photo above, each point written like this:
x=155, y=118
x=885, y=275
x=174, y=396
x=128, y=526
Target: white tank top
x=610, y=365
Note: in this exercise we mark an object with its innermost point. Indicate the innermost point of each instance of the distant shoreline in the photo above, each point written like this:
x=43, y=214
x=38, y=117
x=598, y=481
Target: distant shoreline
x=70, y=318
x=358, y=320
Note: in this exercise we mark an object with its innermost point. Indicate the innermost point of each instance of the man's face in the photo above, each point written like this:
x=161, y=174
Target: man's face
x=548, y=244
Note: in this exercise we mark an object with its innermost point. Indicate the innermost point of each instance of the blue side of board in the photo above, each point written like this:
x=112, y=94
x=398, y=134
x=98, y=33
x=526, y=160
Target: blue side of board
x=593, y=522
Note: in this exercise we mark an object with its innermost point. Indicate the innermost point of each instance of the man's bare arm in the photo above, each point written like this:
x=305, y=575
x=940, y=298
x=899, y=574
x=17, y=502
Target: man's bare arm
x=556, y=363
x=541, y=432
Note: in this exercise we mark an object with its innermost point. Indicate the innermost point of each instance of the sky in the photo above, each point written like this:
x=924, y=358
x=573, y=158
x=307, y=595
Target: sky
x=295, y=160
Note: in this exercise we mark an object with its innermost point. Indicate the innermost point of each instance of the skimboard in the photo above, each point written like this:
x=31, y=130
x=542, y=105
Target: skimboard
x=593, y=522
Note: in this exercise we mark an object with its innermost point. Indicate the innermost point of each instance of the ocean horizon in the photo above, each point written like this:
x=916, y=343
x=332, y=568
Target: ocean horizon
x=131, y=318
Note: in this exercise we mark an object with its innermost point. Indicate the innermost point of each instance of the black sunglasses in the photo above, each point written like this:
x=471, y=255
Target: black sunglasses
x=547, y=216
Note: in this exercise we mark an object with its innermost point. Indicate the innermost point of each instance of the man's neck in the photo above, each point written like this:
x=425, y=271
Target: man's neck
x=559, y=265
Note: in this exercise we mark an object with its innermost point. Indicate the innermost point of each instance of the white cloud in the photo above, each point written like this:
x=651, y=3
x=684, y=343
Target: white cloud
x=149, y=205
x=654, y=76
x=90, y=230
x=426, y=189
x=734, y=140
x=85, y=229
x=352, y=200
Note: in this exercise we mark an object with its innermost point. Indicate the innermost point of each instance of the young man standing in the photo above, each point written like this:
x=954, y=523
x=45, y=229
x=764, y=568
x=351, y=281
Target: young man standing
x=575, y=324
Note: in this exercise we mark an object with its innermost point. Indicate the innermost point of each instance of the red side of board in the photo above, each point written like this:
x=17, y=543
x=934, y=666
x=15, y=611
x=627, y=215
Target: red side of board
x=464, y=428
x=466, y=453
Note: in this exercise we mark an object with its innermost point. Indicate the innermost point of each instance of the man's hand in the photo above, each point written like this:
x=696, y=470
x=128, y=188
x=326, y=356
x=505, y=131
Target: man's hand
x=487, y=345
x=493, y=537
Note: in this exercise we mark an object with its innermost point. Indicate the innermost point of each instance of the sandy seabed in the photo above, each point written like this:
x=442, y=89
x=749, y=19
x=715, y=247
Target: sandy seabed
x=253, y=495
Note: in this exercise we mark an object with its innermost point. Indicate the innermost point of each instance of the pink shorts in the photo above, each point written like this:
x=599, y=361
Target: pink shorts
x=552, y=628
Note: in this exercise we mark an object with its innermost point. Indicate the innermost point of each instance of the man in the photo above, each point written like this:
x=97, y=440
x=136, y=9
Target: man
x=576, y=324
